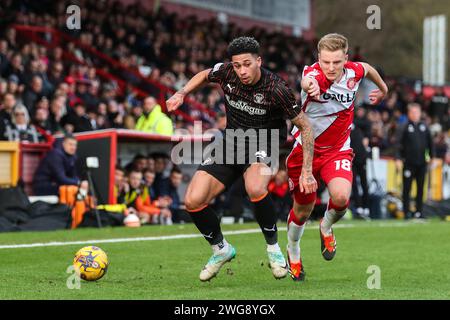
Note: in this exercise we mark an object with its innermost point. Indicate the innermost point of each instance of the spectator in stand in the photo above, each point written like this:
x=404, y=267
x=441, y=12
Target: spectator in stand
x=42, y=124
x=149, y=178
x=139, y=163
x=77, y=120
x=136, y=112
x=115, y=118
x=13, y=86
x=129, y=122
x=138, y=198
x=58, y=168
x=161, y=164
x=169, y=190
x=441, y=146
x=153, y=120
x=3, y=56
x=20, y=128
x=56, y=76
x=57, y=112
x=120, y=185
x=8, y=104
x=439, y=105
x=16, y=67
x=151, y=163
x=359, y=142
x=33, y=93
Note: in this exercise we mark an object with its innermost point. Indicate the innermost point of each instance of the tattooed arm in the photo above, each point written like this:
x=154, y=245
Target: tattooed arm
x=307, y=182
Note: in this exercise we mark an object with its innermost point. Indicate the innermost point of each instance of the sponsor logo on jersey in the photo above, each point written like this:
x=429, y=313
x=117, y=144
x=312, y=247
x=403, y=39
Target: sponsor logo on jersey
x=342, y=98
x=241, y=105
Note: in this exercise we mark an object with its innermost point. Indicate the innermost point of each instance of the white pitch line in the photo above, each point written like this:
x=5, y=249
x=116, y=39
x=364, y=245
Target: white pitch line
x=172, y=237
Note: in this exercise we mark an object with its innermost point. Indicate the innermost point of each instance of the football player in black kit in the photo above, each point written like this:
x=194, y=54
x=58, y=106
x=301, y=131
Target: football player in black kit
x=256, y=101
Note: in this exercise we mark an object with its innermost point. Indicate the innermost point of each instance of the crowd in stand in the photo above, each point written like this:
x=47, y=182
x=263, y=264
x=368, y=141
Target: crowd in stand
x=149, y=187
x=43, y=94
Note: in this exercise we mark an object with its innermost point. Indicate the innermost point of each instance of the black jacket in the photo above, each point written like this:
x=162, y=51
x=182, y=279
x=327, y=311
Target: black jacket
x=57, y=168
x=414, y=143
x=356, y=143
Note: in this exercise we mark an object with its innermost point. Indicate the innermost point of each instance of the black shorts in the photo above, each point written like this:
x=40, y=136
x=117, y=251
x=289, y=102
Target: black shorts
x=228, y=161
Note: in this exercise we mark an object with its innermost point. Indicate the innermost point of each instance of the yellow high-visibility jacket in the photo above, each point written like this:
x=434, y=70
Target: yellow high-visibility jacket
x=155, y=122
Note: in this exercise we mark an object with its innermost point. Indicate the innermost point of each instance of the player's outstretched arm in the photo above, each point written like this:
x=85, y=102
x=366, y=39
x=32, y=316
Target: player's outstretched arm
x=307, y=182
x=377, y=95
x=196, y=81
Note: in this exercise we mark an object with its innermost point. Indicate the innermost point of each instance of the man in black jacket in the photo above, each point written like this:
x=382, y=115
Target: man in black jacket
x=77, y=119
x=58, y=168
x=359, y=143
x=414, y=149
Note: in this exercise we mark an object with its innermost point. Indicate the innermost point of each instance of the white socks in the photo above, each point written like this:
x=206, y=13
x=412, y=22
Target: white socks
x=273, y=247
x=295, y=233
x=221, y=247
x=330, y=217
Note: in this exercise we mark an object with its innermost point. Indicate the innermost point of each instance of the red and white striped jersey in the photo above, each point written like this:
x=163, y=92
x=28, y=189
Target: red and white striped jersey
x=332, y=115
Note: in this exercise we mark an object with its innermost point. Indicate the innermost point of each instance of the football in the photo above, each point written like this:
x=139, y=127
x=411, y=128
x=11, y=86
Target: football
x=91, y=263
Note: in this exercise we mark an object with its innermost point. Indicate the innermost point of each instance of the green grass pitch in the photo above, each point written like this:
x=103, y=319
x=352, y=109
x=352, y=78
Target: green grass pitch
x=413, y=258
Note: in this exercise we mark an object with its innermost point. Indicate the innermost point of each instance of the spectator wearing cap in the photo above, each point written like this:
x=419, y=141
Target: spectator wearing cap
x=13, y=85
x=153, y=120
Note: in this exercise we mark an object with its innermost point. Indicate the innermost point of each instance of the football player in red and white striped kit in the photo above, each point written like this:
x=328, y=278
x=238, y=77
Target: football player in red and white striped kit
x=329, y=89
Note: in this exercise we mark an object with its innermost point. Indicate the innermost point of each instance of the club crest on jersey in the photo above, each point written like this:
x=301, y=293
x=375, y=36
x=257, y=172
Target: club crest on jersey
x=351, y=83
x=291, y=184
x=258, y=98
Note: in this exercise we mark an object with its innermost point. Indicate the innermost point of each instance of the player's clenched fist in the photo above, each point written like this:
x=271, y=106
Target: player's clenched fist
x=175, y=101
x=313, y=88
x=376, y=96
x=307, y=183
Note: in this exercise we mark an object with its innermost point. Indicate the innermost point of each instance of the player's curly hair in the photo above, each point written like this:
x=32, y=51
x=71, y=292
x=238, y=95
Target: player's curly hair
x=243, y=45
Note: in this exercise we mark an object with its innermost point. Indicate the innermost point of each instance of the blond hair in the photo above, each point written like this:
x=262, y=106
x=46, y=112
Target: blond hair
x=333, y=42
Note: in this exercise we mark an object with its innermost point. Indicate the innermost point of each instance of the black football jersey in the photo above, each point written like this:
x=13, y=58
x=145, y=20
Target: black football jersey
x=264, y=105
